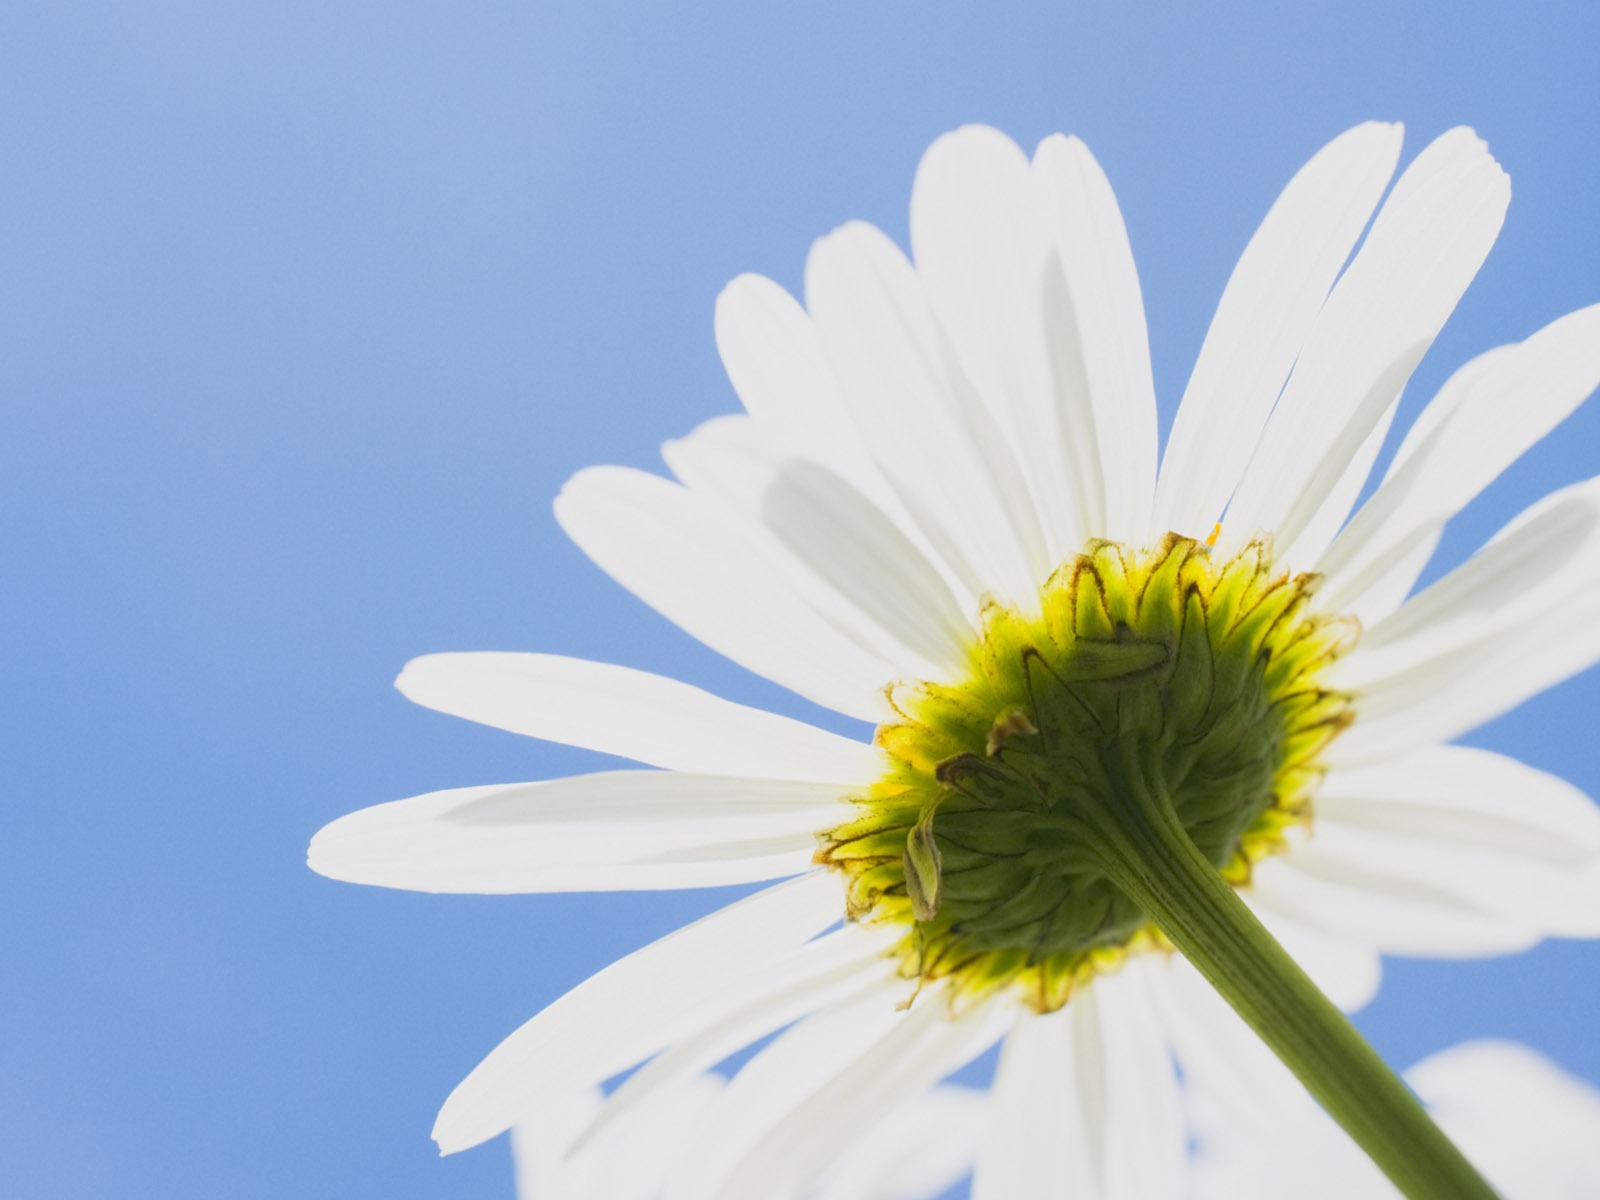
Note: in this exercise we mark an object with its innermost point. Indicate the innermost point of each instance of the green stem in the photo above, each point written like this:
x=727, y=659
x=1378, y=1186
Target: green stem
x=1146, y=851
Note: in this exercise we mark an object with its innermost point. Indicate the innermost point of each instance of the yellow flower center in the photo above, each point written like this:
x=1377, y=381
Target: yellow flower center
x=1168, y=673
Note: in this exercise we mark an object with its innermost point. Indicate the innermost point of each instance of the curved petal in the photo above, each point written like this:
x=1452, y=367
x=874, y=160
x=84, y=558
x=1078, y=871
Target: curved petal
x=712, y=578
x=818, y=1087
x=1519, y=616
x=775, y=360
x=1425, y=246
x=539, y=1144
x=854, y=548
x=918, y=1151
x=816, y=975
x=635, y=1006
x=863, y=571
x=632, y=714
x=1102, y=283
x=617, y=830
x=627, y=1166
x=1391, y=914
x=1087, y=1093
x=982, y=249
x=1266, y=313
x=1500, y=836
x=939, y=447
x=1486, y=415
x=1323, y=525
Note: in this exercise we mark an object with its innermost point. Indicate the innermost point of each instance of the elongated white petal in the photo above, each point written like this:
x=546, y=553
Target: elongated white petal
x=850, y=561
x=1092, y=242
x=915, y=1153
x=1502, y=836
x=632, y=714
x=617, y=830
x=1086, y=1093
x=1482, y=420
x=705, y=573
x=1395, y=915
x=1323, y=525
x=1267, y=310
x=939, y=447
x=813, y=976
x=628, y=1165
x=539, y=1144
x=854, y=548
x=1425, y=246
x=1517, y=617
x=635, y=1006
x=981, y=246
x=816, y=1089
x=1035, y=1113
x=728, y=457
x=775, y=360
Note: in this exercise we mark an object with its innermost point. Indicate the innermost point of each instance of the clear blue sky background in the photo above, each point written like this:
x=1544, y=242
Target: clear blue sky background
x=306, y=311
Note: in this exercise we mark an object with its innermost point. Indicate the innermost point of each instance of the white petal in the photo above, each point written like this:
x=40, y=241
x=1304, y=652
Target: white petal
x=1035, y=1114
x=1426, y=244
x=635, y=1006
x=1263, y=319
x=1530, y=1127
x=616, y=830
x=813, y=976
x=1325, y=521
x=1517, y=617
x=856, y=549
x=1392, y=914
x=817, y=1088
x=981, y=247
x=629, y=1165
x=632, y=714
x=1497, y=834
x=931, y=435
x=696, y=566
x=1088, y=1094
x=848, y=559
x=1482, y=420
x=539, y=1144
x=1086, y=225
x=729, y=457
x=915, y=1153
x=775, y=360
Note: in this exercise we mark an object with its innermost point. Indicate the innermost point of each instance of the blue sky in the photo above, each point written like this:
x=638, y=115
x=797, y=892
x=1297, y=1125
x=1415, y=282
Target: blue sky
x=307, y=310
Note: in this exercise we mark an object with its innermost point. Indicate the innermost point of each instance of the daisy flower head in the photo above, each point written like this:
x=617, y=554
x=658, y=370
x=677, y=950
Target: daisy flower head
x=1109, y=700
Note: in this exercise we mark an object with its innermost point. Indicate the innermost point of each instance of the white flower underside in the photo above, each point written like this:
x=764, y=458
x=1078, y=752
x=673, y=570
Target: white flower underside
x=919, y=437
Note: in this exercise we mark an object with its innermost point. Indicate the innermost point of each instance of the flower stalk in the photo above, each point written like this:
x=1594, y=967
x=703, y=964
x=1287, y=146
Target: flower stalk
x=1145, y=849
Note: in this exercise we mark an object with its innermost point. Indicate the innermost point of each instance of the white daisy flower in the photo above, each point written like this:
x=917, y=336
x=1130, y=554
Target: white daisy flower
x=1532, y=1129
x=941, y=514
x=918, y=1151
